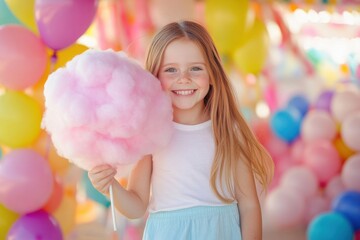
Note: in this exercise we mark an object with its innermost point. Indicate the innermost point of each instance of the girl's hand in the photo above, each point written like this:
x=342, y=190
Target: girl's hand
x=102, y=177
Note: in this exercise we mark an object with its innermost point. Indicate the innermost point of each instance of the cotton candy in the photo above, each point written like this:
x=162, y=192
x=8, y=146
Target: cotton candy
x=103, y=107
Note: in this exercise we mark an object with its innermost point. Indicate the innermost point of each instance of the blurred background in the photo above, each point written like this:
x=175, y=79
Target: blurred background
x=295, y=66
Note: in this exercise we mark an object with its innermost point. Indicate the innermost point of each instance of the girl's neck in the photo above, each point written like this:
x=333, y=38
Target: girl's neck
x=190, y=117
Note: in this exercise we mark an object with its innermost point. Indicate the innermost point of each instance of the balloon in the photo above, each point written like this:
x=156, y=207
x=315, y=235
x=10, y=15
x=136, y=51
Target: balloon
x=300, y=103
x=25, y=181
x=330, y=226
x=22, y=57
x=24, y=11
x=66, y=54
x=348, y=204
x=297, y=150
x=350, y=131
x=350, y=173
x=56, y=196
x=315, y=206
x=44, y=146
x=344, y=151
x=20, y=118
x=334, y=187
x=61, y=23
x=6, y=16
x=322, y=157
x=302, y=180
x=344, y=103
x=323, y=102
x=226, y=21
x=286, y=124
x=276, y=147
x=252, y=55
x=35, y=225
x=65, y=213
x=6, y=220
x=280, y=202
x=318, y=125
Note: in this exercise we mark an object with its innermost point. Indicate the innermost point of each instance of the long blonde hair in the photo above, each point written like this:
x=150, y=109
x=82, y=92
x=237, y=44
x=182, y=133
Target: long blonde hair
x=234, y=139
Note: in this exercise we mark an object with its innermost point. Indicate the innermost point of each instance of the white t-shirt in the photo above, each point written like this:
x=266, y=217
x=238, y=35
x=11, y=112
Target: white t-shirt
x=181, y=171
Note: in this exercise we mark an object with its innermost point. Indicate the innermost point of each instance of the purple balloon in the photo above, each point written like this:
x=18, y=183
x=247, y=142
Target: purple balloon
x=323, y=102
x=37, y=225
x=62, y=22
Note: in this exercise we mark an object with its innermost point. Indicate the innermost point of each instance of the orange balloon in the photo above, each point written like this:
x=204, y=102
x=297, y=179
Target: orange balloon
x=56, y=196
x=65, y=213
x=44, y=146
x=344, y=151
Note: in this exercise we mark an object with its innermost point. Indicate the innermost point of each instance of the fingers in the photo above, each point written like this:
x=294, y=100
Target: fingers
x=102, y=177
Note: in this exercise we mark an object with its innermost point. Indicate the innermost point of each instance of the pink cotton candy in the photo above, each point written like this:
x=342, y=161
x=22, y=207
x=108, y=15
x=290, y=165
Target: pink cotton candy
x=103, y=107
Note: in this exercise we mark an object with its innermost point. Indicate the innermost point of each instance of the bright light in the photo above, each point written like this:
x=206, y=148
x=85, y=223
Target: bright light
x=262, y=110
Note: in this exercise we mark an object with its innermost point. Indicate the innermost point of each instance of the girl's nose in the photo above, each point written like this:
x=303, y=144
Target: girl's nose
x=184, y=77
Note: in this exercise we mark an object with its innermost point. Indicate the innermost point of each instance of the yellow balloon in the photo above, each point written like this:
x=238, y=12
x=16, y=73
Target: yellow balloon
x=25, y=12
x=66, y=54
x=226, y=21
x=251, y=56
x=20, y=119
x=6, y=221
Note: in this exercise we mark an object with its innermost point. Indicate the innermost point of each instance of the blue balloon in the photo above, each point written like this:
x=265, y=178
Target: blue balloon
x=330, y=226
x=300, y=103
x=348, y=204
x=286, y=124
x=94, y=194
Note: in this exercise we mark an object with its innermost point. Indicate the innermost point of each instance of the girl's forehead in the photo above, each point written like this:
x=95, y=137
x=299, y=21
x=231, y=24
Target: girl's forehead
x=182, y=50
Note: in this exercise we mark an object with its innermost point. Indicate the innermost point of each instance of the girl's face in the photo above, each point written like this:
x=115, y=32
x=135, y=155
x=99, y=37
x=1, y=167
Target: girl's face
x=184, y=76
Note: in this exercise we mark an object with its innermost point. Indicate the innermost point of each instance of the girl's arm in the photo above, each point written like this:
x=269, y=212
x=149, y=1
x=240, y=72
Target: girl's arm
x=248, y=202
x=133, y=201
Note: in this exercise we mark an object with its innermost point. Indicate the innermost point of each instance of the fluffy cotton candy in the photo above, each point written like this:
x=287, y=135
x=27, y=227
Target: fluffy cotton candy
x=103, y=107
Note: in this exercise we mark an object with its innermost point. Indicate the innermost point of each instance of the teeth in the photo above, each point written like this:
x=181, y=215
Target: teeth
x=184, y=92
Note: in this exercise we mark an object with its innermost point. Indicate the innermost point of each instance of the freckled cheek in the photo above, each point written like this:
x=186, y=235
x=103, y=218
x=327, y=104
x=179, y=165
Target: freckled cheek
x=165, y=84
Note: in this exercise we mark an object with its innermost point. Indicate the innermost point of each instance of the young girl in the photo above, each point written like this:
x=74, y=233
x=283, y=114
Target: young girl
x=202, y=185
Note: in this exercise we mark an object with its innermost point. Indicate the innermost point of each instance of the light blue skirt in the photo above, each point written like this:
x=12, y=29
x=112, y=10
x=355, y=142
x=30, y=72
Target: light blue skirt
x=195, y=223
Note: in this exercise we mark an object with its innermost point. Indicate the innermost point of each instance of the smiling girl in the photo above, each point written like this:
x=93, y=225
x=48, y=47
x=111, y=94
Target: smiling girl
x=202, y=185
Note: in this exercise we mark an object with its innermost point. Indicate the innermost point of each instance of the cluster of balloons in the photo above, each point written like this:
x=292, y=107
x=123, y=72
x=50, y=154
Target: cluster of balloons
x=315, y=147
x=34, y=200
x=343, y=222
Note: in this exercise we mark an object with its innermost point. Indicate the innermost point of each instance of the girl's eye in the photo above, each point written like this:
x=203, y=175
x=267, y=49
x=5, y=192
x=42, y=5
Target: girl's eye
x=196, y=69
x=170, y=70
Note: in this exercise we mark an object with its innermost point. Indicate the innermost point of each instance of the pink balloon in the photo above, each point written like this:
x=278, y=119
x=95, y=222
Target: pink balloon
x=334, y=187
x=323, y=159
x=22, y=57
x=297, y=150
x=316, y=205
x=276, y=147
x=350, y=173
x=345, y=103
x=318, y=125
x=25, y=181
x=302, y=180
x=285, y=208
x=350, y=131
x=62, y=22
